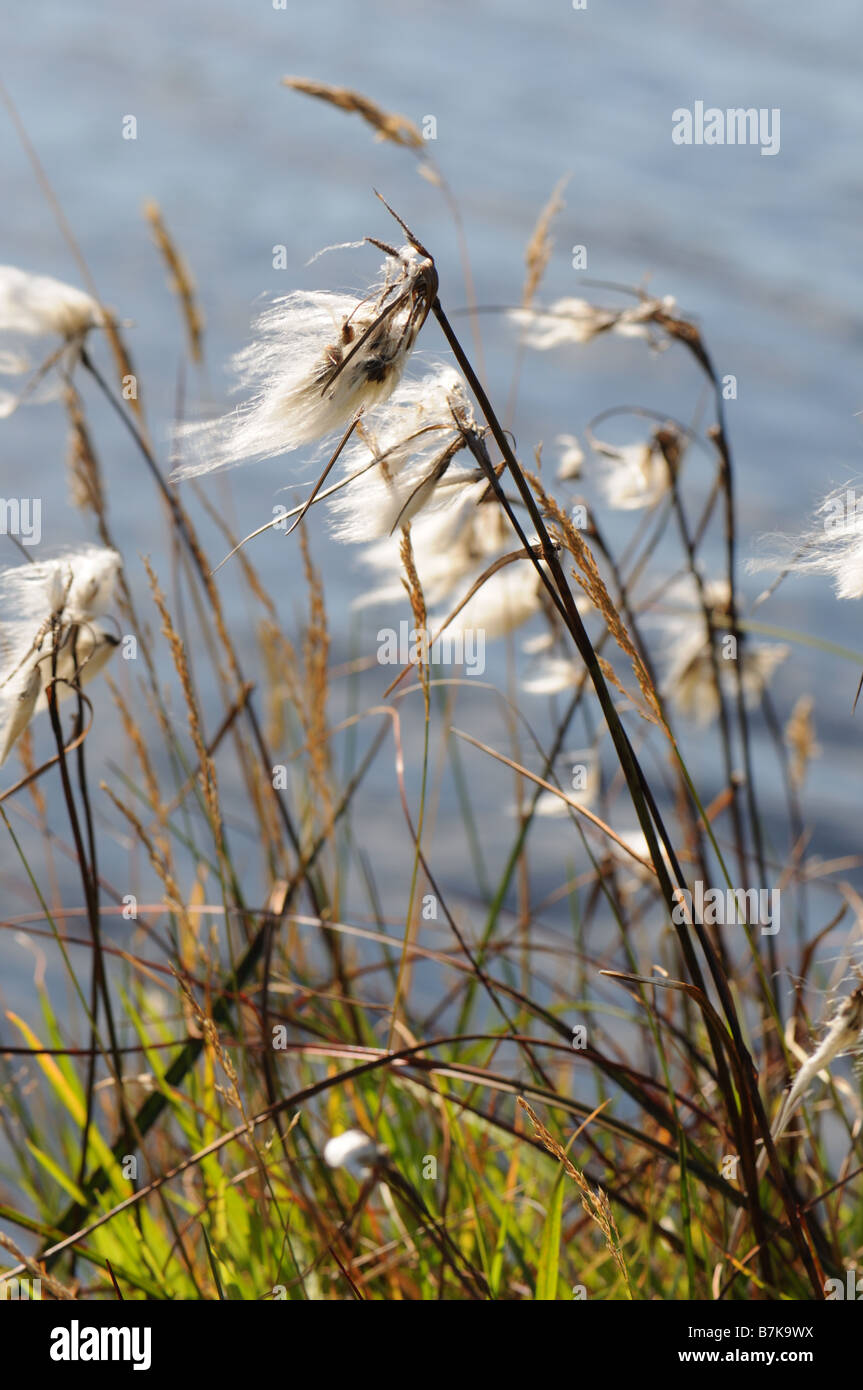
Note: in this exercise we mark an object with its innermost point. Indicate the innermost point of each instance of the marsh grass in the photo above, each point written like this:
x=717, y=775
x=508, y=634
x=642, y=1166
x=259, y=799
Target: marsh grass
x=260, y=1000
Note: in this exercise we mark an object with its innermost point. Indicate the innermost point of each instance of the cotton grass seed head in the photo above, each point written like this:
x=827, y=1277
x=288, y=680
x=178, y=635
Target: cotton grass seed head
x=570, y=459
x=843, y=1035
x=689, y=681
x=54, y=621
x=37, y=306
x=399, y=462
x=833, y=545
x=450, y=543
x=565, y=321
x=572, y=320
x=633, y=476
x=355, y=1151
x=507, y=599
x=316, y=360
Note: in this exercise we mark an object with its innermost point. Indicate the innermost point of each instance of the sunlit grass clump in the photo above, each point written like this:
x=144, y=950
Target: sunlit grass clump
x=301, y=1052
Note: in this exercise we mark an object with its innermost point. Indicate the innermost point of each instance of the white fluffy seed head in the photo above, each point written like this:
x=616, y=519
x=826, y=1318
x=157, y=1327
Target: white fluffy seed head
x=573, y=320
x=18, y=697
x=507, y=600
x=843, y=1033
x=571, y=457
x=400, y=461
x=52, y=619
x=36, y=304
x=316, y=359
x=833, y=545
x=632, y=476
x=635, y=322
x=448, y=543
x=352, y=1150
x=565, y=321
x=689, y=681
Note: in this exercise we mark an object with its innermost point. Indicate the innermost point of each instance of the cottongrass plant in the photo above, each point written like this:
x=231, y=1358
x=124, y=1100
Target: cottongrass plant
x=843, y=1034
x=40, y=307
x=400, y=461
x=37, y=304
x=354, y=1151
x=273, y=1009
x=632, y=476
x=452, y=543
x=833, y=545
x=693, y=648
x=318, y=359
x=570, y=458
x=60, y=630
x=577, y=321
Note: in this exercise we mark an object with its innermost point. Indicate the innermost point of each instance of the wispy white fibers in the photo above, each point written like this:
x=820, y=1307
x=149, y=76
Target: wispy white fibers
x=843, y=1032
x=689, y=674
x=450, y=544
x=833, y=545
x=453, y=545
x=564, y=321
x=353, y=1150
x=506, y=600
x=400, y=458
x=52, y=616
x=37, y=306
x=315, y=360
x=635, y=322
x=632, y=476
x=571, y=458
x=577, y=321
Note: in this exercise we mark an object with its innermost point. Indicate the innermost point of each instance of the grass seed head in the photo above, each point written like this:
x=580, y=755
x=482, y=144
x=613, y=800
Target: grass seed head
x=317, y=359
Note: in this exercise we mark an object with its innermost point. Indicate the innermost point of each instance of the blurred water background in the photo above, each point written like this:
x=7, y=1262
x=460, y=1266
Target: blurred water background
x=763, y=251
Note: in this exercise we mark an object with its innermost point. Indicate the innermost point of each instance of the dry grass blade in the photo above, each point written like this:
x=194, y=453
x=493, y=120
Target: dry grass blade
x=160, y=863
x=178, y=653
x=547, y=786
x=596, y=1204
x=594, y=586
x=487, y=574
x=417, y=598
x=800, y=738
x=37, y=1271
x=85, y=479
x=538, y=250
x=316, y=647
x=386, y=124
x=180, y=280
